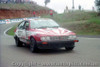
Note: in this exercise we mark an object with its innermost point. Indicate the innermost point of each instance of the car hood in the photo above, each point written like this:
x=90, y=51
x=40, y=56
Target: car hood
x=53, y=31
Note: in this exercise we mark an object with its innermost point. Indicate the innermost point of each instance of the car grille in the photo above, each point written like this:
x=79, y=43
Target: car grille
x=57, y=38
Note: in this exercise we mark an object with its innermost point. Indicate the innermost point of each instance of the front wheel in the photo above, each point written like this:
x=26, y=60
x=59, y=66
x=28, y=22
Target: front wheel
x=18, y=42
x=33, y=45
x=71, y=47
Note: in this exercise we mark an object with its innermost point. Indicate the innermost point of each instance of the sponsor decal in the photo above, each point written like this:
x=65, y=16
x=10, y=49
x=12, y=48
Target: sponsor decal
x=25, y=18
x=7, y=21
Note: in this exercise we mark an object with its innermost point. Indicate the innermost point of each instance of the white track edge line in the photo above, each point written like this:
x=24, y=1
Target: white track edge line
x=5, y=32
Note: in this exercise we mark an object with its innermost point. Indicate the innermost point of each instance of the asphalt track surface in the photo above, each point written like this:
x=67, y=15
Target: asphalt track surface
x=85, y=54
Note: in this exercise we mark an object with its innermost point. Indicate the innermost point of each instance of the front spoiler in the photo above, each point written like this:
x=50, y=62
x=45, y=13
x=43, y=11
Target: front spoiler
x=54, y=44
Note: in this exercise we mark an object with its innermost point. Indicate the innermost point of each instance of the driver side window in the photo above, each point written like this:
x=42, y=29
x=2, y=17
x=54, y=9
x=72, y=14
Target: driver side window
x=26, y=25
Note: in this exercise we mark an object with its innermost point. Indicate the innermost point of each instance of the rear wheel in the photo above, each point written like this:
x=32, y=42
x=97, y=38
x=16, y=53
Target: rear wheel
x=33, y=45
x=70, y=47
x=18, y=42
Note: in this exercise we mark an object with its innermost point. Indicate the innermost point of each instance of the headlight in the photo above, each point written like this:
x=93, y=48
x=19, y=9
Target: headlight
x=45, y=38
x=72, y=37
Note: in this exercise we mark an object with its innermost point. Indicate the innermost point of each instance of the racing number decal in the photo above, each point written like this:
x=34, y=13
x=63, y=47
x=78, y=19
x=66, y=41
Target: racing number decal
x=19, y=33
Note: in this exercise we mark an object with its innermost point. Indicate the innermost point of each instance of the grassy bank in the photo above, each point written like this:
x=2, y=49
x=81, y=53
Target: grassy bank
x=72, y=16
x=89, y=27
x=95, y=20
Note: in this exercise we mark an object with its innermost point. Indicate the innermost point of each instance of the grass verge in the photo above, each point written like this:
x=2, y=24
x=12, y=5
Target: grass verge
x=11, y=31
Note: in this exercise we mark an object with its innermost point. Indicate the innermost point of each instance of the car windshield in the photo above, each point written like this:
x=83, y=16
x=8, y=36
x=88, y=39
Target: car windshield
x=43, y=24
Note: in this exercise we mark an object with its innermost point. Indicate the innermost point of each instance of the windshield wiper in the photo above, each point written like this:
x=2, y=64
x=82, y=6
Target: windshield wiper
x=48, y=27
x=43, y=27
x=55, y=26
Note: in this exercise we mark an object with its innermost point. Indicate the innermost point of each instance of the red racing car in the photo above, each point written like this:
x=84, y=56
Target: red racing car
x=43, y=33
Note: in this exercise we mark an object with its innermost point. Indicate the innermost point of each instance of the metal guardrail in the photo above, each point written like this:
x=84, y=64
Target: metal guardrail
x=7, y=21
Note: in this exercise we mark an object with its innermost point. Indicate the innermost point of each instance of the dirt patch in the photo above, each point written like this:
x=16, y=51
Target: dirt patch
x=10, y=14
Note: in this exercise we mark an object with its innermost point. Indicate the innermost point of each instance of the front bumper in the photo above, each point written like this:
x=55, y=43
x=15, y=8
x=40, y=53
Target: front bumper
x=55, y=44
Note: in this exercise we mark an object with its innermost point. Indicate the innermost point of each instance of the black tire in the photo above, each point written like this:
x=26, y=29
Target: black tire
x=18, y=42
x=71, y=46
x=33, y=45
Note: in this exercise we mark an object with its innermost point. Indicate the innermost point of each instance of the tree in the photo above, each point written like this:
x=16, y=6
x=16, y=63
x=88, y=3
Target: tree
x=46, y=2
x=97, y=3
